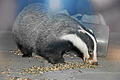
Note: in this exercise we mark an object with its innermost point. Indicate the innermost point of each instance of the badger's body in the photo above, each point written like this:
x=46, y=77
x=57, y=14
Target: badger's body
x=38, y=30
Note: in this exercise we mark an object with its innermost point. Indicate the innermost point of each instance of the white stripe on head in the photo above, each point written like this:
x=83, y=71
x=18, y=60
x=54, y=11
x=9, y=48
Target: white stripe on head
x=95, y=43
x=77, y=42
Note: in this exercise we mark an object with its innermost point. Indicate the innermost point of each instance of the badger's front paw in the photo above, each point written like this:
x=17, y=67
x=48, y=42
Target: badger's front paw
x=27, y=55
x=92, y=62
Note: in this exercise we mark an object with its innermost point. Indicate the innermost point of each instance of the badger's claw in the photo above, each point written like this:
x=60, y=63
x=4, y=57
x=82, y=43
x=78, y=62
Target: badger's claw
x=56, y=60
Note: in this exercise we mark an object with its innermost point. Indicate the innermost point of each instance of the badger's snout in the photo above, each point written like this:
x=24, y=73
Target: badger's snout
x=92, y=62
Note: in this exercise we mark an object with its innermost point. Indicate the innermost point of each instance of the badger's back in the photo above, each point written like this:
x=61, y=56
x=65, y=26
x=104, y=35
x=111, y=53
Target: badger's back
x=26, y=24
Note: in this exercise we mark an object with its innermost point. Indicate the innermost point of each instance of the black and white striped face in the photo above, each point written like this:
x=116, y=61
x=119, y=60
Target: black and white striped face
x=91, y=43
x=85, y=42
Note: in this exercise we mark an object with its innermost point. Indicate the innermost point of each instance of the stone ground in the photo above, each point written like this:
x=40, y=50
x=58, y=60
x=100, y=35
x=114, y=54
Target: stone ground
x=12, y=64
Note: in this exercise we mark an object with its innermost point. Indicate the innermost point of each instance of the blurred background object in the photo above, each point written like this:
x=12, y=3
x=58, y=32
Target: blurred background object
x=7, y=13
x=110, y=9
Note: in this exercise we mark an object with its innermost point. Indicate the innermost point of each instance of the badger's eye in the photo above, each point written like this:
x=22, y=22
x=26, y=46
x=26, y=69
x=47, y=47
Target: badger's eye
x=90, y=52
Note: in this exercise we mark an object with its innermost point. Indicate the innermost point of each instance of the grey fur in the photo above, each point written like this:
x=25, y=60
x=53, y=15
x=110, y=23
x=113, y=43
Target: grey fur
x=37, y=29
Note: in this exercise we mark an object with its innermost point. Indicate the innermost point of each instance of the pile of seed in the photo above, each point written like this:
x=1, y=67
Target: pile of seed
x=17, y=51
x=19, y=78
x=56, y=67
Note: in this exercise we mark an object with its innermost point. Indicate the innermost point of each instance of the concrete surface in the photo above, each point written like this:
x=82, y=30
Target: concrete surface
x=108, y=66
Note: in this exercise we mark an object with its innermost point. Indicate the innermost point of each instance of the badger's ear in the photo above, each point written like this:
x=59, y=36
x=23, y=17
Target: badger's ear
x=91, y=30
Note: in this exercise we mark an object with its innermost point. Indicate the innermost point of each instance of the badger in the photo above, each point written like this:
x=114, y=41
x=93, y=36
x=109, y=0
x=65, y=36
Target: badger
x=48, y=34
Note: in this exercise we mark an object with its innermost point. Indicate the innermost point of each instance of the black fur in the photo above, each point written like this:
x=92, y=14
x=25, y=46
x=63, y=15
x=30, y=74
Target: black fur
x=76, y=50
x=54, y=51
x=25, y=51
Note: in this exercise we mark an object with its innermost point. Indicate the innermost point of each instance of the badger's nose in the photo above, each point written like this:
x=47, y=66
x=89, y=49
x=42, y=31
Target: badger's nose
x=95, y=63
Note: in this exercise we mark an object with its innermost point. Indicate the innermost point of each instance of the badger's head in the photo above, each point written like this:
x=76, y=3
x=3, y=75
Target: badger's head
x=85, y=42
